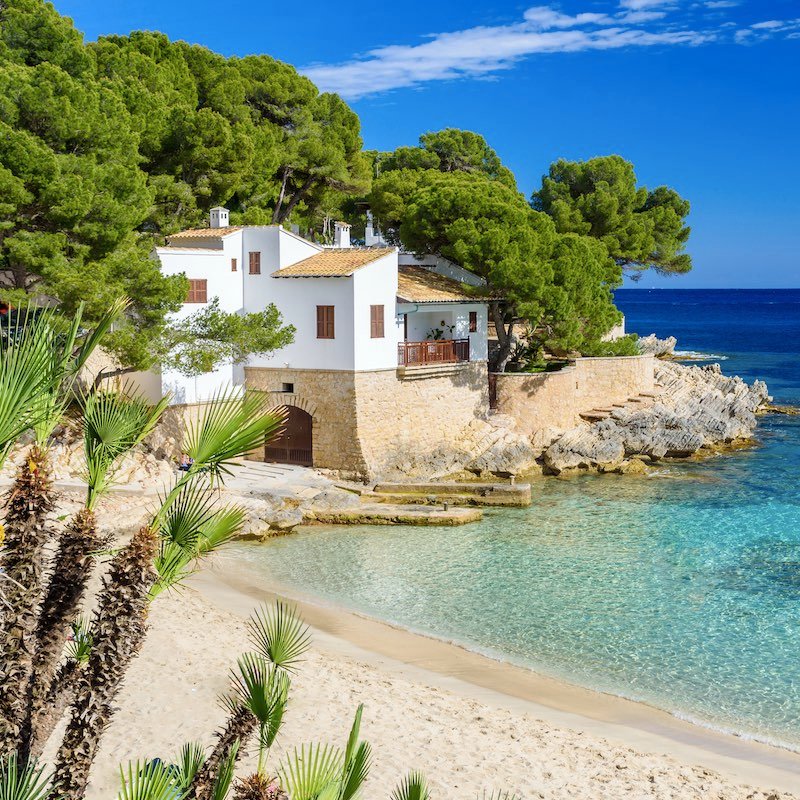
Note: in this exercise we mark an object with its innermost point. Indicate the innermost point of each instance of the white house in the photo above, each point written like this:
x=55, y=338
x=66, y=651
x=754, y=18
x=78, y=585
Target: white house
x=376, y=332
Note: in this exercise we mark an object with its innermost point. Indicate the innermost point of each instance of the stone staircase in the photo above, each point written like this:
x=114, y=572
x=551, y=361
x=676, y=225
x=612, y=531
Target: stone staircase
x=641, y=400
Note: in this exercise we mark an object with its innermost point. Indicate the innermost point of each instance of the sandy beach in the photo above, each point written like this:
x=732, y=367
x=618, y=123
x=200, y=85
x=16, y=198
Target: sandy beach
x=469, y=723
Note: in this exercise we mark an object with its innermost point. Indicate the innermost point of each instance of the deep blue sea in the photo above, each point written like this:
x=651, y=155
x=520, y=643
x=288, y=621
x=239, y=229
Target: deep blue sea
x=681, y=590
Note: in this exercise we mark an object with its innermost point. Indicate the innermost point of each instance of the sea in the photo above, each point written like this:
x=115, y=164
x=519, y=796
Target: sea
x=680, y=590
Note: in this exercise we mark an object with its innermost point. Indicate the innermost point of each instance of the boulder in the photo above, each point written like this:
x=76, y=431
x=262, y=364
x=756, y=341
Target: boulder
x=653, y=346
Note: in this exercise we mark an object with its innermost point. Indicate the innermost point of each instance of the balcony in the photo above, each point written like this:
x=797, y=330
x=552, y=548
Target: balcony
x=432, y=352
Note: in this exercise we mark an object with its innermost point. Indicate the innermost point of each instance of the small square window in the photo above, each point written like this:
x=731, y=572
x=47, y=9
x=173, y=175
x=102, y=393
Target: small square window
x=288, y=388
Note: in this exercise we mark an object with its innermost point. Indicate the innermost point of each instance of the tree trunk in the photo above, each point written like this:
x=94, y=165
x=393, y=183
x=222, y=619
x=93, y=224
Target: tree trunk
x=276, y=215
x=296, y=198
x=71, y=570
x=27, y=507
x=118, y=631
x=240, y=727
x=61, y=694
x=111, y=373
x=505, y=339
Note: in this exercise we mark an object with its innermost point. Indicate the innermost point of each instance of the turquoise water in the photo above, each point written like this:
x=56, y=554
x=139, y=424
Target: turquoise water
x=681, y=590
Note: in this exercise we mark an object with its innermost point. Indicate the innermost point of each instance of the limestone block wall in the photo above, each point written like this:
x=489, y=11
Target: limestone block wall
x=543, y=402
x=369, y=423
x=404, y=419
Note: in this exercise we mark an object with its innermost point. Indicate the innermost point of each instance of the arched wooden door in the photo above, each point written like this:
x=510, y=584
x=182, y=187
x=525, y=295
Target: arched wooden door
x=295, y=444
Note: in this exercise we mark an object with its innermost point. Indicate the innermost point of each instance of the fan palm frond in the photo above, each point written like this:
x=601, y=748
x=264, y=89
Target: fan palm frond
x=261, y=688
x=313, y=772
x=191, y=757
x=113, y=424
x=66, y=362
x=19, y=782
x=25, y=373
x=357, y=761
x=230, y=427
x=151, y=780
x=279, y=634
x=414, y=786
x=191, y=528
x=81, y=640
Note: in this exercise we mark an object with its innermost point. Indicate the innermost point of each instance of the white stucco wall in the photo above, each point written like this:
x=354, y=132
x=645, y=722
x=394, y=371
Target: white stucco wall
x=376, y=284
x=297, y=299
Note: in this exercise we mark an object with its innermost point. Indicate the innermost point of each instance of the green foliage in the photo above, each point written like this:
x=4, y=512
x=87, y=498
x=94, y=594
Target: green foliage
x=81, y=640
x=107, y=146
x=323, y=772
x=113, y=424
x=280, y=635
x=624, y=346
x=22, y=782
x=641, y=229
x=580, y=305
x=190, y=527
x=211, y=337
x=488, y=229
x=414, y=786
x=148, y=781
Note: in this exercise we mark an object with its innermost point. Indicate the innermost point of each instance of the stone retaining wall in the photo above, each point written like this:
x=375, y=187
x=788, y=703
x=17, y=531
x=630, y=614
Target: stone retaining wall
x=383, y=421
x=553, y=401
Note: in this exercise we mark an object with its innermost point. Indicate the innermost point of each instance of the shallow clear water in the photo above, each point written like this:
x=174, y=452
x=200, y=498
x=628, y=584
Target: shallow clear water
x=681, y=590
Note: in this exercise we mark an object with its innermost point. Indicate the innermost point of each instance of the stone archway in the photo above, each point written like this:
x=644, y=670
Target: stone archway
x=295, y=443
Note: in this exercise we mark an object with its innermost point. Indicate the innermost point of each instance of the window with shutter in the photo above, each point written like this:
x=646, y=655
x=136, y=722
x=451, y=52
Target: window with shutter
x=473, y=321
x=325, y=328
x=234, y=265
x=376, y=322
x=255, y=263
x=198, y=291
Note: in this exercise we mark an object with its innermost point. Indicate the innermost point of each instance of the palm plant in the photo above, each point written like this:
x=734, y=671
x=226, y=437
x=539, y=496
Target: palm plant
x=40, y=362
x=414, y=786
x=22, y=782
x=260, y=691
x=113, y=422
x=324, y=772
x=158, y=557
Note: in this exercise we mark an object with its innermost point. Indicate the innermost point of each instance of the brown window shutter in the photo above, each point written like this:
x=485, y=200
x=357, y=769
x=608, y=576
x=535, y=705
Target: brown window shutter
x=376, y=322
x=234, y=265
x=325, y=326
x=473, y=321
x=198, y=291
x=255, y=263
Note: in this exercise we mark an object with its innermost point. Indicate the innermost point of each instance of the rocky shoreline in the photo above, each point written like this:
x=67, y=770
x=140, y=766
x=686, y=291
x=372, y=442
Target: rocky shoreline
x=698, y=409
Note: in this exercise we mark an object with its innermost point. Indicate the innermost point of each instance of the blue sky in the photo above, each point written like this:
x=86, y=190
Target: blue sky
x=702, y=95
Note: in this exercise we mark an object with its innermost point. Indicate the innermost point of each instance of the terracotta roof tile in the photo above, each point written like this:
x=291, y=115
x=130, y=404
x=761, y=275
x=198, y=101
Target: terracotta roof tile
x=420, y=285
x=333, y=263
x=204, y=233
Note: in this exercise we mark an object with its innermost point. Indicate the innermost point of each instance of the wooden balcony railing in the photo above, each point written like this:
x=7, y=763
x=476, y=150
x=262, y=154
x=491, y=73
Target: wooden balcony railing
x=442, y=351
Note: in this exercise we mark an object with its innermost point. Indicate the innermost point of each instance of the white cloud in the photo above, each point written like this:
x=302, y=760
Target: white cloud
x=483, y=51
x=722, y=3
x=638, y=5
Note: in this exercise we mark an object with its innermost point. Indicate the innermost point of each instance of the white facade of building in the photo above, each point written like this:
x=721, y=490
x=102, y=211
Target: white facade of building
x=247, y=268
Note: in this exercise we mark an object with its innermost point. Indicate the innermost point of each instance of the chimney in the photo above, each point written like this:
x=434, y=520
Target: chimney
x=341, y=235
x=219, y=217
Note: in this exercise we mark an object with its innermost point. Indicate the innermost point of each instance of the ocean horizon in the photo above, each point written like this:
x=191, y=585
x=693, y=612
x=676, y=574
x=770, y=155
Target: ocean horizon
x=680, y=590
